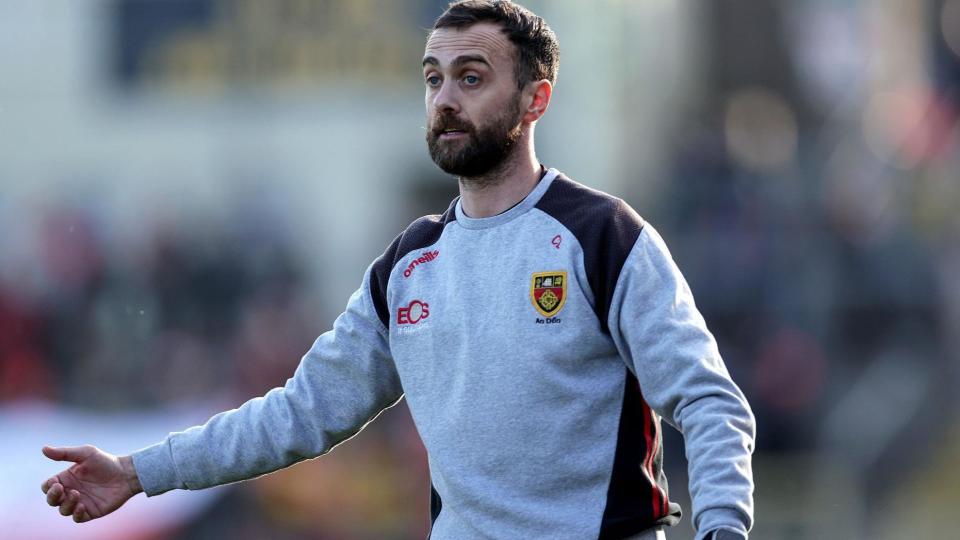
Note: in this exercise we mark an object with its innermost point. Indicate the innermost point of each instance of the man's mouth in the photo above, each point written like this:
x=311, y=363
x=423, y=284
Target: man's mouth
x=452, y=133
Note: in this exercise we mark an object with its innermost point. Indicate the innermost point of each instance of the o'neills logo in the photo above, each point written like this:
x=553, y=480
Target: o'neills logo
x=415, y=312
x=425, y=258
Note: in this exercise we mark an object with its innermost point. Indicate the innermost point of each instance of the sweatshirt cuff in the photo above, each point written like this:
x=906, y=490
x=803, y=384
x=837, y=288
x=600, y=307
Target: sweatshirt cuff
x=720, y=518
x=156, y=470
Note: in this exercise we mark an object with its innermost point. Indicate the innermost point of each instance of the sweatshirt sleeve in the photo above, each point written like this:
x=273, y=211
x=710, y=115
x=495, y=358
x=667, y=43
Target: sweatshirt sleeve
x=665, y=342
x=345, y=380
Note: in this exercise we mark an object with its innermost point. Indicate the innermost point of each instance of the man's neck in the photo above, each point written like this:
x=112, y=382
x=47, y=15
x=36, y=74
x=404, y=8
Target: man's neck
x=502, y=188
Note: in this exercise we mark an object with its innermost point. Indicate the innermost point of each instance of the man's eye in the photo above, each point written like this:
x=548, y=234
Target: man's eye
x=471, y=79
x=433, y=80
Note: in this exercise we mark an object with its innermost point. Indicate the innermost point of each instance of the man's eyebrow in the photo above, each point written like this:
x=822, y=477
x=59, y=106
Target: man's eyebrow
x=458, y=61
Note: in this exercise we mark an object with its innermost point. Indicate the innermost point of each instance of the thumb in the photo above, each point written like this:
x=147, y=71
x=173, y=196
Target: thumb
x=68, y=453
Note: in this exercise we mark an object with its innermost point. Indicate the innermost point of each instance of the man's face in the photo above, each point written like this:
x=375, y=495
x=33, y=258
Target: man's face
x=473, y=104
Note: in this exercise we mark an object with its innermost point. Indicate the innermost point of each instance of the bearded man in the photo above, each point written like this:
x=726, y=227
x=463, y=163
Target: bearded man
x=539, y=389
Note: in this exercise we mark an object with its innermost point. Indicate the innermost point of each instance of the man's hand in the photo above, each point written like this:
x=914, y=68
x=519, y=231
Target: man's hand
x=95, y=485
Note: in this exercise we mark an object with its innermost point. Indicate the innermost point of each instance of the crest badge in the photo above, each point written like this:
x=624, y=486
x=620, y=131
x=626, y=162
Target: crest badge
x=548, y=292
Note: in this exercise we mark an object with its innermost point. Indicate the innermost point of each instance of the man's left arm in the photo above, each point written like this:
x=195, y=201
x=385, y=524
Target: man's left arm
x=664, y=341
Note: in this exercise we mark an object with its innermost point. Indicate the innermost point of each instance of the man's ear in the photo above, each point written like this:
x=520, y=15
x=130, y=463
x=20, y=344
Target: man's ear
x=539, y=93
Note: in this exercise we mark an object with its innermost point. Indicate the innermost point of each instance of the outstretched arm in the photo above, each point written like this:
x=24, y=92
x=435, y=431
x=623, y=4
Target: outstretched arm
x=95, y=485
x=344, y=381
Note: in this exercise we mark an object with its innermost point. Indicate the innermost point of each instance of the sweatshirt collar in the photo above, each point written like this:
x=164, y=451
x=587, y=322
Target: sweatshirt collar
x=518, y=209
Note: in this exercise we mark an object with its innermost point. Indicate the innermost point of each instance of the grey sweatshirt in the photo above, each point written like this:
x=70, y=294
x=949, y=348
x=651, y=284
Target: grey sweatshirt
x=538, y=351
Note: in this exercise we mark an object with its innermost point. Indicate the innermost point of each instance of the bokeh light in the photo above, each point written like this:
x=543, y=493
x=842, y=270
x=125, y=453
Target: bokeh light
x=761, y=129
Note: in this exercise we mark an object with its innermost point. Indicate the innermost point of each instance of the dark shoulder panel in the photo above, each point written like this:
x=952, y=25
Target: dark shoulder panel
x=420, y=234
x=606, y=228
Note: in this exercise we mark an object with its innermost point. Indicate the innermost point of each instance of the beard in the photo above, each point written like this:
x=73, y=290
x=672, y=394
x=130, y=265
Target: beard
x=484, y=149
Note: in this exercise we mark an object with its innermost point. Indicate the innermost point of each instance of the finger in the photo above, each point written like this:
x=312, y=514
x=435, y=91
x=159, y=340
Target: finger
x=72, y=498
x=80, y=514
x=45, y=486
x=55, y=494
x=68, y=453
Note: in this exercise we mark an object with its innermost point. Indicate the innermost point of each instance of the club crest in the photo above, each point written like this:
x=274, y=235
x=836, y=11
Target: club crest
x=548, y=292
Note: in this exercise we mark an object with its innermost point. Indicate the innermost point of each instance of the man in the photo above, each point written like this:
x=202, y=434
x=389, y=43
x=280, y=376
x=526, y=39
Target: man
x=538, y=329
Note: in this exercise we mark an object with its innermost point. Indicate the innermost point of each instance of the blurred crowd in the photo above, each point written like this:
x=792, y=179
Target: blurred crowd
x=192, y=310
x=809, y=197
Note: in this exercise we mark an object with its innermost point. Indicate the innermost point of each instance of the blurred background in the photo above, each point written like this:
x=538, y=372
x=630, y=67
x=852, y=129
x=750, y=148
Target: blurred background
x=191, y=189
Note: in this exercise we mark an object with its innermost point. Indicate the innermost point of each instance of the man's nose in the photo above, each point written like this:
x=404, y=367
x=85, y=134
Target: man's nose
x=446, y=99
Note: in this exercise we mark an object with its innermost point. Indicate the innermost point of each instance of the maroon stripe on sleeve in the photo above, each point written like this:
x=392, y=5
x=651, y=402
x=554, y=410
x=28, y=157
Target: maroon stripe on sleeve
x=634, y=500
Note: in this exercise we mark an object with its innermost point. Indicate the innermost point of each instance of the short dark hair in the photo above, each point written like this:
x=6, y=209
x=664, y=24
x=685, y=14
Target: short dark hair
x=538, y=53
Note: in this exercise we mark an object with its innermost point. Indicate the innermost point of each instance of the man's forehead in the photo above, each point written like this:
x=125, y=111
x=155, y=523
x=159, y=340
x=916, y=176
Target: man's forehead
x=481, y=39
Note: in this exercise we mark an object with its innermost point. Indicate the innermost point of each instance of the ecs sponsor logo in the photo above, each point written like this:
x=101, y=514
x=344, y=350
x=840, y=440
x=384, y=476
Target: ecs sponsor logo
x=415, y=312
x=423, y=259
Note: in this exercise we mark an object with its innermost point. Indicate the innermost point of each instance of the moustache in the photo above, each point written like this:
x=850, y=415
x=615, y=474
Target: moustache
x=447, y=123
